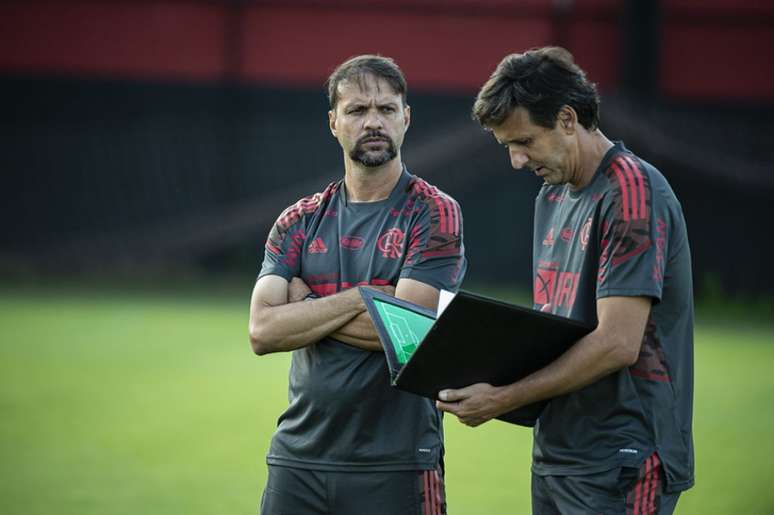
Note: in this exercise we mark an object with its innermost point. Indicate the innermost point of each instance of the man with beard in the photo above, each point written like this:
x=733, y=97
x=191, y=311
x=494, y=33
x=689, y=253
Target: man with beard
x=349, y=443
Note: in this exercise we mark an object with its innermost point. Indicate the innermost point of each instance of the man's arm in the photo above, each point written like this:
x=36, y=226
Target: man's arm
x=613, y=345
x=360, y=331
x=277, y=326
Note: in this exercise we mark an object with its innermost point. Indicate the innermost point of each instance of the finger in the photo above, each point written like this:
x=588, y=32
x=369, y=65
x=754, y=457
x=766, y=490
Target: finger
x=449, y=407
x=470, y=422
x=453, y=395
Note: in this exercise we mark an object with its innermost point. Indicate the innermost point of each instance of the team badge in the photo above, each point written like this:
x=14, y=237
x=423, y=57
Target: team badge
x=390, y=243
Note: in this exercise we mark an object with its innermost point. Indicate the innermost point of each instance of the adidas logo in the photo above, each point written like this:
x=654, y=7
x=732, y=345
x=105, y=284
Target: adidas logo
x=317, y=247
x=549, y=241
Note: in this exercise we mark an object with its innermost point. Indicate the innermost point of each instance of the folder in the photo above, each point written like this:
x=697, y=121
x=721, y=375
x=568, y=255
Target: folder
x=474, y=339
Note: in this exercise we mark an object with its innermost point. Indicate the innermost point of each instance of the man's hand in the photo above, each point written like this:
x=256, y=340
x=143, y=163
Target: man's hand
x=473, y=405
x=297, y=290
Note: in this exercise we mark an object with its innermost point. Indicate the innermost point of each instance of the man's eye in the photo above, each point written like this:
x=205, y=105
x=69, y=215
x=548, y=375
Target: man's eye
x=388, y=109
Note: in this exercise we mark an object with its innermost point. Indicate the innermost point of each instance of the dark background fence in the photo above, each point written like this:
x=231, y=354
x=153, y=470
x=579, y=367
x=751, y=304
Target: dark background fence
x=149, y=135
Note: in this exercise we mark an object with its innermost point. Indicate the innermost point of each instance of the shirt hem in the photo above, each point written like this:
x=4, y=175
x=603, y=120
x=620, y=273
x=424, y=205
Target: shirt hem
x=351, y=466
x=582, y=470
x=553, y=470
x=418, y=275
x=624, y=292
x=679, y=486
x=285, y=274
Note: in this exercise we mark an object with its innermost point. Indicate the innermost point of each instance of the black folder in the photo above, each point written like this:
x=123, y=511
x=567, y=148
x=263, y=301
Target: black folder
x=476, y=339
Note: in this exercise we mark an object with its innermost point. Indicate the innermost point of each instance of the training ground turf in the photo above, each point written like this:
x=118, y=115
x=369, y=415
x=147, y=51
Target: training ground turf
x=153, y=404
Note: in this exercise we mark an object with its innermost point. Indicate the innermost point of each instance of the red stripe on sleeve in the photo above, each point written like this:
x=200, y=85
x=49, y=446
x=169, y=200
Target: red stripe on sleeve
x=450, y=211
x=638, y=173
x=441, y=214
x=632, y=188
x=624, y=196
x=452, y=215
x=456, y=210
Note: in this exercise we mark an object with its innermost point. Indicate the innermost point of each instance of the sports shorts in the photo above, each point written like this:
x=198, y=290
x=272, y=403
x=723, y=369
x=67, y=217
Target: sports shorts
x=619, y=491
x=293, y=491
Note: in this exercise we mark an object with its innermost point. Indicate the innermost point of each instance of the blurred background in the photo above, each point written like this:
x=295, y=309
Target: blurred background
x=148, y=146
x=168, y=135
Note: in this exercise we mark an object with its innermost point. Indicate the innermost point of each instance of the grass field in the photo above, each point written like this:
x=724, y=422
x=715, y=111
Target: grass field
x=154, y=404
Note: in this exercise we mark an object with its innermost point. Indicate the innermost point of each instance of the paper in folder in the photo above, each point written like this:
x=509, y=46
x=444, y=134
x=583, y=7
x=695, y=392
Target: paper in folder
x=474, y=340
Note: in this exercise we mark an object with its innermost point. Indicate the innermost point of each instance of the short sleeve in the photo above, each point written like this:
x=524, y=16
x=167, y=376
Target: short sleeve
x=436, y=253
x=632, y=232
x=282, y=254
x=287, y=236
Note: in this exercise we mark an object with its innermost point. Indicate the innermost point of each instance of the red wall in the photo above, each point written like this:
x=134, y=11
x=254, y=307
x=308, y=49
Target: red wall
x=117, y=39
x=715, y=49
x=711, y=49
x=267, y=42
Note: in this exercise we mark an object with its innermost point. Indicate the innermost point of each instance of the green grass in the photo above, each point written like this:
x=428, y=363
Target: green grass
x=154, y=404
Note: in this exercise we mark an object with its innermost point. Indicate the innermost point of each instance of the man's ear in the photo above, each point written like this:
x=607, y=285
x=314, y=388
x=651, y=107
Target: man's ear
x=332, y=121
x=567, y=119
x=407, y=116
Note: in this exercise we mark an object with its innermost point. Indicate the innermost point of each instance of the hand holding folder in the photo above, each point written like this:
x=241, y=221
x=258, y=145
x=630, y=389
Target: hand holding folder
x=475, y=339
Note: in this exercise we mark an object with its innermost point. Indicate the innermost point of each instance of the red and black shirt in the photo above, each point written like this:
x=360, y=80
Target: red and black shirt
x=343, y=413
x=622, y=235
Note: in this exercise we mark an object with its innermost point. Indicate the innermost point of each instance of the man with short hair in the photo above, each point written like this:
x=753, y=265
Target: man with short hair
x=610, y=248
x=349, y=443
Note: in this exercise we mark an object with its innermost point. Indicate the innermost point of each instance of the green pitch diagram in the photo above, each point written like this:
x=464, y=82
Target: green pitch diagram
x=407, y=329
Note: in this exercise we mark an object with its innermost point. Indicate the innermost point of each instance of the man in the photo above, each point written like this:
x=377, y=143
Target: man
x=349, y=443
x=610, y=247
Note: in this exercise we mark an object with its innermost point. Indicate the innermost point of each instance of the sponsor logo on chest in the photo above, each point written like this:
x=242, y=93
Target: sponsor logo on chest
x=352, y=242
x=555, y=289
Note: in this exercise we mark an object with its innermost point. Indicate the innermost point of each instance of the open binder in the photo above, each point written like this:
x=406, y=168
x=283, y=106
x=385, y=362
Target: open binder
x=474, y=339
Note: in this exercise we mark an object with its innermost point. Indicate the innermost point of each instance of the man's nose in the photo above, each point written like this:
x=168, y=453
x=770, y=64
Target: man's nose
x=518, y=159
x=373, y=120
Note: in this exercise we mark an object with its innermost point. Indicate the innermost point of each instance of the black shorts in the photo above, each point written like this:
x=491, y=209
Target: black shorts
x=621, y=491
x=292, y=491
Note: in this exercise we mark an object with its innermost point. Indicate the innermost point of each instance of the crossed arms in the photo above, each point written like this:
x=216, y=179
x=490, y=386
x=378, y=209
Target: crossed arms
x=281, y=320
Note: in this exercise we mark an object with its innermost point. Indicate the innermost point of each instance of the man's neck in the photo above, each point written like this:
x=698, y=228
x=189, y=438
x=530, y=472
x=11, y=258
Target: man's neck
x=594, y=146
x=371, y=184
